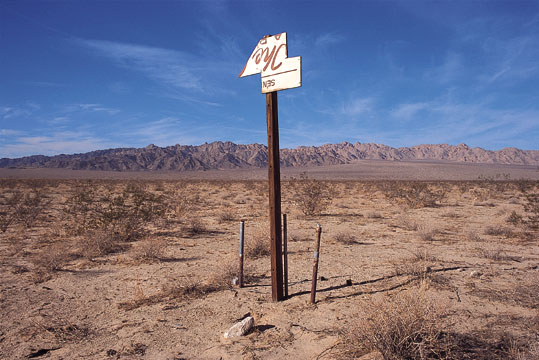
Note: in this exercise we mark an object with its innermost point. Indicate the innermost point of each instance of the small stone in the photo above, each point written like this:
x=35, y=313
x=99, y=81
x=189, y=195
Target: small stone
x=241, y=328
x=235, y=281
x=475, y=274
x=349, y=282
x=428, y=269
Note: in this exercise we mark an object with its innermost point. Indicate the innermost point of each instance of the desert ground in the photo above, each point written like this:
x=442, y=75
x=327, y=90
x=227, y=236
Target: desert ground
x=417, y=261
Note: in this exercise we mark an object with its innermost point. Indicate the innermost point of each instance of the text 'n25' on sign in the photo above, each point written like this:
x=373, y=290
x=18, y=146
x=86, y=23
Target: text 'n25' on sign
x=277, y=70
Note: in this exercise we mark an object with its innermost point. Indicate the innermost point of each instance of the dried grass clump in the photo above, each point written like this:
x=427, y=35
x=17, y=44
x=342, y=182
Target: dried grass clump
x=406, y=325
x=496, y=230
x=473, y=236
x=52, y=258
x=407, y=223
x=414, y=194
x=345, y=238
x=226, y=216
x=257, y=247
x=258, y=244
x=24, y=208
x=531, y=206
x=373, y=215
x=223, y=275
x=311, y=196
x=195, y=226
x=149, y=249
x=418, y=265
x=427, y=232
x=496, y=255
x=98, y=243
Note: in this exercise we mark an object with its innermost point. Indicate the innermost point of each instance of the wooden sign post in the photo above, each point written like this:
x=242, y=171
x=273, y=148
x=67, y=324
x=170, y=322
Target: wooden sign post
x=277, y=72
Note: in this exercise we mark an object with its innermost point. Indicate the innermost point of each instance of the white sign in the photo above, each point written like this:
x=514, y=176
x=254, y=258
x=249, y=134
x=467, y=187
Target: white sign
x=277, y=70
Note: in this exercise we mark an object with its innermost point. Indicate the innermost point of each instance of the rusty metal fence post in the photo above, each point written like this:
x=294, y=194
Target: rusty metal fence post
x=315, y=264
x=242, y=232
x=285, y=257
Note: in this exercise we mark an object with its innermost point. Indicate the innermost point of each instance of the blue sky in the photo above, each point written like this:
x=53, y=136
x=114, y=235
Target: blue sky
x=77, y=76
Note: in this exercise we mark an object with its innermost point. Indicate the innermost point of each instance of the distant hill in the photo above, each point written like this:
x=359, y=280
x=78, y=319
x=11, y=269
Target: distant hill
x=227, y=155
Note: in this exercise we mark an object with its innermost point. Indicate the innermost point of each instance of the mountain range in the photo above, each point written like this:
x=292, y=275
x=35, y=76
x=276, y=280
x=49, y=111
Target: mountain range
x=227, y=155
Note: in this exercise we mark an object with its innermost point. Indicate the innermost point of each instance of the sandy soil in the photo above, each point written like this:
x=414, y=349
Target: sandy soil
x=359, y=170
x=177, y=303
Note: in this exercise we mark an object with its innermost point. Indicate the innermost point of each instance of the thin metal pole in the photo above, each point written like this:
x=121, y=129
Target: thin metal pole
x=242, y=232
x=285, y=257
x=274, y=175
x=315, y=264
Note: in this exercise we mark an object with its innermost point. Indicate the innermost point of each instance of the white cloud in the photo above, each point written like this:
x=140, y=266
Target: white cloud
x=327, y=39
x=10, y=132
x=57, y=143
x=449, y=70
x=356, y=106
x=88, y=107
x=11, y=112
x=166, y=131
x=408, y=111
x=171, y=67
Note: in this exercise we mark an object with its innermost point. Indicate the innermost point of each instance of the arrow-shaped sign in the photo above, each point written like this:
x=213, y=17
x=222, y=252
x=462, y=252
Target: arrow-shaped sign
x=270, y=59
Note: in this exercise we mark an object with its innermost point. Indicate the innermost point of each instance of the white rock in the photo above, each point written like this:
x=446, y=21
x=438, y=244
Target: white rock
x=241, y=328
x=475, y=274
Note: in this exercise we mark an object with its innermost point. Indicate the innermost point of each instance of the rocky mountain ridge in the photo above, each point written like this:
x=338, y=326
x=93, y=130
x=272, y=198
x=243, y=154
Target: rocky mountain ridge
x=227, y=155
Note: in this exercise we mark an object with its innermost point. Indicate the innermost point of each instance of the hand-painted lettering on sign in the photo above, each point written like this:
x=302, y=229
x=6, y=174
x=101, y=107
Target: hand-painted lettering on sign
x=270, y=59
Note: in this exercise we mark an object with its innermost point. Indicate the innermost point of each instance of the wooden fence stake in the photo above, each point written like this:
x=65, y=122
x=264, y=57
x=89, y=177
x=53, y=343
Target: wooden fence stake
x=285, y=257
x=315, y=265
x=242, y=232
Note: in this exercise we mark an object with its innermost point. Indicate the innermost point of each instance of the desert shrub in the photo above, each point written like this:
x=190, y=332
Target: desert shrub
x=414, y=194
x=514, y=218
x=52, y=258
x=427, y=232
x=33, y=205
x=257, y=244
x=94, y=243
x=222, y=276
x=495, y=255
x=496, y=230
x=195, y=226
x=181, y=201
x=406, y=325
x=311, y=196
x=373, y=215
x=123, y=213
x=149, y=249
x=473, y=236
x=345, y=238
x=22, y=207
x=226, y=216
x=406, y=222
x=9, y=209
x=531, y=206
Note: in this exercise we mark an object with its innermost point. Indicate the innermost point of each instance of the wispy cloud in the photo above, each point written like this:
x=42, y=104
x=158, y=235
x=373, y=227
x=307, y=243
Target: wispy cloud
x=165, y=131
x=180, y=74
x=408, y=111
x=53, y=144
x=10, y=112
x=443, y=120
x=172, y=67
x=10, y=132
x=449, y=70
x=89, y=107
x=329, y=38
x=356, y=106
x=45, y=84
